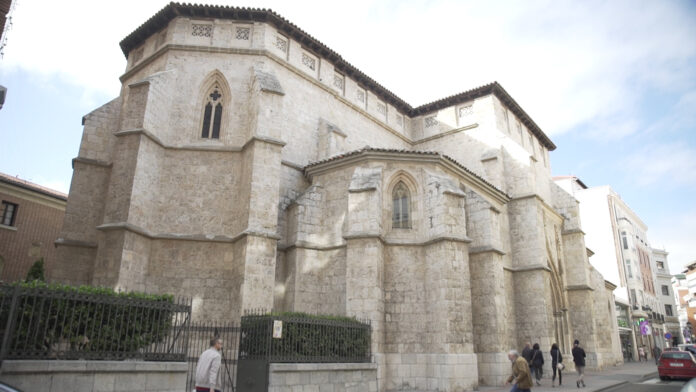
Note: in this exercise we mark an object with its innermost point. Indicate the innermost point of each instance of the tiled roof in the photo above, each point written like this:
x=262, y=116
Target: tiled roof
x=368, y=149
x=4, y=10
x=582, y=184
x=32, y=187
x=162, y=18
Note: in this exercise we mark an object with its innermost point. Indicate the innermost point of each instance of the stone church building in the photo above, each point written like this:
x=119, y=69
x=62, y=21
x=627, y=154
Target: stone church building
x=248, y=165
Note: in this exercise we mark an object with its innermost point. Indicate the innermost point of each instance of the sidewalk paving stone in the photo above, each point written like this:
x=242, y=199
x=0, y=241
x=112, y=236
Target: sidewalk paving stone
x=596, y=381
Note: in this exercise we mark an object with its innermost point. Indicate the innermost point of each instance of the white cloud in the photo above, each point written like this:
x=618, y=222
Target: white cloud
x=676, y=234
x=74, y=40
x=566, y=63
x=680, y=117
x=672, y=163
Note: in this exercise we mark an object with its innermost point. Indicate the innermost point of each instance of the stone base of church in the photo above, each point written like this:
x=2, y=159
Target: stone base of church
x=493, y=368
x=429, y=372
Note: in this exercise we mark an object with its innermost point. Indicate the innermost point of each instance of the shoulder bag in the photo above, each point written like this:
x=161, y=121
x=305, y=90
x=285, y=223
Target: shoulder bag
x=559, y=365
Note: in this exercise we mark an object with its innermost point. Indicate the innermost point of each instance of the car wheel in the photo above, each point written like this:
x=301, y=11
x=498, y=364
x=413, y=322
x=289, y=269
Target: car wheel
x=663, y=378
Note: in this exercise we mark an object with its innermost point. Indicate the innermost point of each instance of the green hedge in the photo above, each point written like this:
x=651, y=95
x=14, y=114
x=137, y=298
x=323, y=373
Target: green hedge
x=305, y=338
x=84, y=318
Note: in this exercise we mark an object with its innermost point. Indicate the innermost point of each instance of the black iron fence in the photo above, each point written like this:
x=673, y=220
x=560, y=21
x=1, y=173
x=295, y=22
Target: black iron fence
x=199, y=341
x=39, y=321
x=297, y=337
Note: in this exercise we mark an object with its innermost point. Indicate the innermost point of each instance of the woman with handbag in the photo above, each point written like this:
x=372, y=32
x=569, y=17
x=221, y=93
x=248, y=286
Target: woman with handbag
x=557, y=365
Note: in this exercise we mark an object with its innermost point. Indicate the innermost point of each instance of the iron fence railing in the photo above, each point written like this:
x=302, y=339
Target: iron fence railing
x=304, y=338
x=199, y=340
x=48, y=323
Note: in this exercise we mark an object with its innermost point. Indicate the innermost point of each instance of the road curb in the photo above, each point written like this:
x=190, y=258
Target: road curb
x=610, y=386
x=649, y=375
x=642, y=378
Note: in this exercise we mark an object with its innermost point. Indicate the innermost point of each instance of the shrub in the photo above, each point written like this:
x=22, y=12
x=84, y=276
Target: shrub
x=36, y=272
x=305, y=338
x=85, y=318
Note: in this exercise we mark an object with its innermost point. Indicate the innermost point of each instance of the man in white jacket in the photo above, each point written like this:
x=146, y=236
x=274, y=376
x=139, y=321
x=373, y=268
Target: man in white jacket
x=209, y=367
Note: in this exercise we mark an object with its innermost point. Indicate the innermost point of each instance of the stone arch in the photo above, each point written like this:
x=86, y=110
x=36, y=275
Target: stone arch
x=401, y=183
x=213, y=105
x=401, y=206
x=559, y=304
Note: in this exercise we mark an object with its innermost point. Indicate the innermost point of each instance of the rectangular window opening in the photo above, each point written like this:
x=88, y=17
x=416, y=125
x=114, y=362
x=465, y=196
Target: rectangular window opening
x=9, y=213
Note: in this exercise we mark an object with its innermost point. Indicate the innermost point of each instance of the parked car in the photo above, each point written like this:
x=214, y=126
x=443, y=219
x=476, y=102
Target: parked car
x=689, y=386
x=676, y=364
x=688, y=347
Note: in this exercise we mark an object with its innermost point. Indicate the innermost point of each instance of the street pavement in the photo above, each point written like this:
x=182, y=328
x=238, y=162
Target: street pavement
x=651, y=385
x=636, y=376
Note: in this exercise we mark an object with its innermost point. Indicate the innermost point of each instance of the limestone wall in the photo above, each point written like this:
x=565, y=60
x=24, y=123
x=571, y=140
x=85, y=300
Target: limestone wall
x=284, y=377
x=94, y=376
x=314, y=281
x=608, y=344
x=244, y=222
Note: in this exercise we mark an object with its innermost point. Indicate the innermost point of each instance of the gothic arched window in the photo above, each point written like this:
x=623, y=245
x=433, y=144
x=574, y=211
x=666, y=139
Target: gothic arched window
x=401, y=207
x=212, y=113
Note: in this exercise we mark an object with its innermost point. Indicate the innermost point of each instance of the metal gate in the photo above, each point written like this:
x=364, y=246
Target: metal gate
x=199, y=341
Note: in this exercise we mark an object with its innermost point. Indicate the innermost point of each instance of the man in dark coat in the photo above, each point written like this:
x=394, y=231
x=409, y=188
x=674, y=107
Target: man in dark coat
x=527, y=352
x=656, y=353
x=579, y=359
x=537, y=363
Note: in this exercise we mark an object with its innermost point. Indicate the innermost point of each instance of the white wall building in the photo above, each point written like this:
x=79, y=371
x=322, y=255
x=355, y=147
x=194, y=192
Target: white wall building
x=680, y=290
x=622, y=254
x=665, y=293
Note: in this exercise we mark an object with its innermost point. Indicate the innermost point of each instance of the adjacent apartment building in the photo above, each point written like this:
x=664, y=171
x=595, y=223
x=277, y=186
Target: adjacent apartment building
x=685, y=285
x=665, y=293
x=680, y=290
x=622, y=254
x=31, y=219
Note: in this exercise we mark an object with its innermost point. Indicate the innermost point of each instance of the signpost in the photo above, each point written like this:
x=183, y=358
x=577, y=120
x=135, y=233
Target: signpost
x=645, y=328
x=277, y=329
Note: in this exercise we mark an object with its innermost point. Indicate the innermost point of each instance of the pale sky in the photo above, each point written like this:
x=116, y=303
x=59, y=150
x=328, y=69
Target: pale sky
x=613, y=83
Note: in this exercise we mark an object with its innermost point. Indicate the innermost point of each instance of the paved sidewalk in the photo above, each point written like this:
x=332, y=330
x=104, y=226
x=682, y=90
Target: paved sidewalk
x=595, y=381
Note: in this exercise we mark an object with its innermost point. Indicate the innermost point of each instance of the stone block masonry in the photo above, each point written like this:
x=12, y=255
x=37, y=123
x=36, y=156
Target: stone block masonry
x=94, y=376
x=324, y=192
x=322, y=377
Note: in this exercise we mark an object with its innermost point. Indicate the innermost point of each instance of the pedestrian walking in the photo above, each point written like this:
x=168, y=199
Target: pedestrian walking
x=579, y=360
x=208, y=368
x=520, y=379
x=557, y=365
x=656, y=353
x=527, y=353
x=641, y=354
x=537, y=363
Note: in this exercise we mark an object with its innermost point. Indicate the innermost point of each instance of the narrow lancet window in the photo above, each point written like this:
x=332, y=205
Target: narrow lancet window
x=206, y=120
x=217, y=120
x=212, y=114
x=401, y=207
